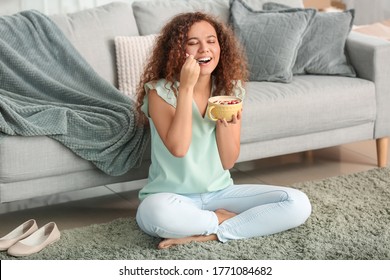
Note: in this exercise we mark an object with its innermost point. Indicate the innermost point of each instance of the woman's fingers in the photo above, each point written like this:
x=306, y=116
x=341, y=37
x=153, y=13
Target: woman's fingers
x=190, y=71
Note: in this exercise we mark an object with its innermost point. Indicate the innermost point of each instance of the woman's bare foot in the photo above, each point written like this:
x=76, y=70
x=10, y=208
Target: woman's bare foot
x=166, y=243
x=224, y=215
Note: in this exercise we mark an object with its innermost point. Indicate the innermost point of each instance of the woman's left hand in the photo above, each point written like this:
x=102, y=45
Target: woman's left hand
x=228, y=140
x=235, y=119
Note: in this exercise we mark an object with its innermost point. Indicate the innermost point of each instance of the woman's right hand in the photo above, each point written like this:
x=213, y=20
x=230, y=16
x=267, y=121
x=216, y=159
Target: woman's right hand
x=189, y=72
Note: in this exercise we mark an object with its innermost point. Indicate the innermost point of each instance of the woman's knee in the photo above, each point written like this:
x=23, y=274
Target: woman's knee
x=155, y=206
x=151, y=213
x=157, y=212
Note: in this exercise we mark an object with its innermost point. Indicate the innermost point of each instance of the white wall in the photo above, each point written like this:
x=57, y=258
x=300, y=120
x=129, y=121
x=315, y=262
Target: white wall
x=367, y=11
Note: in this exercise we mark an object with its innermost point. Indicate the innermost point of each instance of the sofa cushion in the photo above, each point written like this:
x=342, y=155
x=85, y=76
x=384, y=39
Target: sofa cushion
x=322, y=49
x=309, y=104
x=132, y=52
x=24, y=158
x=92, y=32
x=35, y=157
x=152, y=15
x=271, y=39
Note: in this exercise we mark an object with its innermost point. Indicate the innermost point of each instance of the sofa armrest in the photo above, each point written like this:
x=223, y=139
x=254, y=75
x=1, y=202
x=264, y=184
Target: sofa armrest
x=370, y=56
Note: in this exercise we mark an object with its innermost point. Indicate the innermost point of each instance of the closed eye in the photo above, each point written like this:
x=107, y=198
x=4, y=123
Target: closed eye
x=192, y=42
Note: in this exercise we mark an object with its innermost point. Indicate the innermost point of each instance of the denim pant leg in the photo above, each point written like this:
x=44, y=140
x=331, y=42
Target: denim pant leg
x=169, y=215
x=261, y=209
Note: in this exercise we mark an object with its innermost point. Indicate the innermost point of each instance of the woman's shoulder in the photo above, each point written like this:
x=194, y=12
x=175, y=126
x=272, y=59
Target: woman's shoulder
x=238, y=89
x=165, y=89
x=162, y=84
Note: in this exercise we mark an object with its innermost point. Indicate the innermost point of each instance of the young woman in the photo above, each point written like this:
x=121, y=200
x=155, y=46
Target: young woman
x=190, y=195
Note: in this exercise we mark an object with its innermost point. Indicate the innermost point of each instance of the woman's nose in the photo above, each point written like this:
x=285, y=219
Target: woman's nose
x=203, y=48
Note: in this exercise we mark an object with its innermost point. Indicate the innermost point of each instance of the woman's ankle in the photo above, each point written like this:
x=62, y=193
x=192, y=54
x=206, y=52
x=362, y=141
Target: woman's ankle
x=224, y=215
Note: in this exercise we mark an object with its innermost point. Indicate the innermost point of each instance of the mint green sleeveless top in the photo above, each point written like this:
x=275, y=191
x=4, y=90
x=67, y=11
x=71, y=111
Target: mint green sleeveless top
x=200, y=170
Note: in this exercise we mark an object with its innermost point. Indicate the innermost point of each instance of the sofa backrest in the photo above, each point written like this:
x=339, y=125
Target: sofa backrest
x=153, y=14
x=92, y=32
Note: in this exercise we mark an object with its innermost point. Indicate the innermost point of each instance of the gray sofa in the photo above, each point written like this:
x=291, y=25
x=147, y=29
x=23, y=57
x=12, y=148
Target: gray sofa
x=307, y=113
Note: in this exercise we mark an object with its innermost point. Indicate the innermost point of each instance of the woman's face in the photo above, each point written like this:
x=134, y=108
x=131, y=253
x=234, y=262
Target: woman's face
x=203, y=44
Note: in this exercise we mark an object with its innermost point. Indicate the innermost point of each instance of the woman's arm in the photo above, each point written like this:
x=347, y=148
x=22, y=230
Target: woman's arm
x=174, y=125
x=228, y=140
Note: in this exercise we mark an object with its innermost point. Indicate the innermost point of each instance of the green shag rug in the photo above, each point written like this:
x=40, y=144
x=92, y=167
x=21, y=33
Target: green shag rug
x=350, y=221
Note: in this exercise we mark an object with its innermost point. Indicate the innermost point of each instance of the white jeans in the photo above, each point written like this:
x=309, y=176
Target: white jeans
x=261, y=209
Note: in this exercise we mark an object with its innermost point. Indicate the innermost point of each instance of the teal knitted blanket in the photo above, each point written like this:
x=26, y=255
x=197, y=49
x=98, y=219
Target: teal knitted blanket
x=47, y=88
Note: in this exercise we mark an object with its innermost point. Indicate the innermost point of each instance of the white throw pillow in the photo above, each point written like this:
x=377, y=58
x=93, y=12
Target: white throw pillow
x=132, y=52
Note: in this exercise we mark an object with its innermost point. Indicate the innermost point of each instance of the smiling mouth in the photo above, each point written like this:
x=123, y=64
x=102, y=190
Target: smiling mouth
x=204, y=60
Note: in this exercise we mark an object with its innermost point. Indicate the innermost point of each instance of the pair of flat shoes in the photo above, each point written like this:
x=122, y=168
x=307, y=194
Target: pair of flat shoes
x=28, y=239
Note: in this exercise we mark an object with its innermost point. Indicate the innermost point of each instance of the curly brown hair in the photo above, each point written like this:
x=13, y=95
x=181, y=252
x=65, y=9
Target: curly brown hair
x=169, y=55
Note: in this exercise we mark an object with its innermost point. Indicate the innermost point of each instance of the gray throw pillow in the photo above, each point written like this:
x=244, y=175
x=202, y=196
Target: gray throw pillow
x=323, y=46
x=275, y=6
x=271, y=39
x=258, y=4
